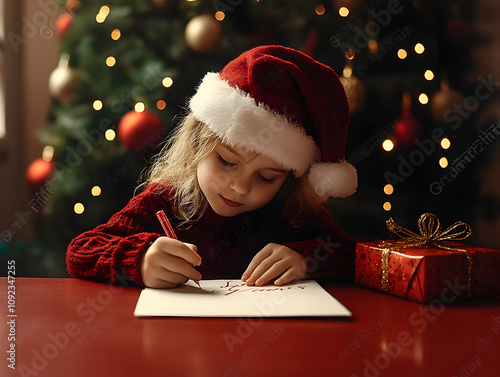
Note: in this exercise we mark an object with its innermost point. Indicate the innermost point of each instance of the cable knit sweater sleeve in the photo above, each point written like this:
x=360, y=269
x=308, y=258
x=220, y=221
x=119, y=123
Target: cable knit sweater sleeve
x=112, y=252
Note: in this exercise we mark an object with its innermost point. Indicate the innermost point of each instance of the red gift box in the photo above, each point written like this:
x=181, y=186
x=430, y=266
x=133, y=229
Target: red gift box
x=424, y=274
x=429, y=266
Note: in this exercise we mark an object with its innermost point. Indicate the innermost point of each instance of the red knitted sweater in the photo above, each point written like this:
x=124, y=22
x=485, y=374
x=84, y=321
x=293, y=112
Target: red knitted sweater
x=112, y=252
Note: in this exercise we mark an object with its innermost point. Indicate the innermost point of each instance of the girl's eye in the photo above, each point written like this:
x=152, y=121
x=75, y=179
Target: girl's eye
x=225, y=163
x=266, y=180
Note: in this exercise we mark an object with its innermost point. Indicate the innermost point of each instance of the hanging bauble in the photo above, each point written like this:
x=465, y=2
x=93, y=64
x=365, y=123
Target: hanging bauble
x=62, y=81
x=63, y=23
x=38, y=172
x=407, y=128
x=203, y=33
x=352, y=5
x=355, y=92
x=140, y=131
x=443, y=100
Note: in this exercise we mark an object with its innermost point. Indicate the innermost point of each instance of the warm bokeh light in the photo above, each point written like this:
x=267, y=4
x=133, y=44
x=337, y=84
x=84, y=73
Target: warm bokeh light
x=167, y=82
x=344, y=12
x=387, y=206
x=139, y=107
x=443, y=162
x=320, y=10
x=110, y=61
x=373, y=46
x=429, y=75
x=402, y=54
x=423, y=99
x=110, y=135
x=161, y=104
x=79, y=208
x=97, y=105
x=388, y=145
x=96, y=191
x=445, y=143
x=388, y=189
x=220, y=15
x=419, y=48
x=116, y=34
x=347, y=72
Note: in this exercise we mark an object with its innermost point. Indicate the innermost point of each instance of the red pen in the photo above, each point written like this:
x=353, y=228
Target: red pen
x=169, y=231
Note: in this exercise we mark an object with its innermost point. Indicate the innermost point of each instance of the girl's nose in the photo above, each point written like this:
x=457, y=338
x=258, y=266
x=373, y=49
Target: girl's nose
x=240, y=183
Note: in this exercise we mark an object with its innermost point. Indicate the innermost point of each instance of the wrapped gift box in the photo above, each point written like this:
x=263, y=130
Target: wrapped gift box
x=424, y=274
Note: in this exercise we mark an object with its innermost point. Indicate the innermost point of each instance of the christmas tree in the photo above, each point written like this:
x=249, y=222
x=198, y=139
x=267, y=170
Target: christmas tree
x=127, y=67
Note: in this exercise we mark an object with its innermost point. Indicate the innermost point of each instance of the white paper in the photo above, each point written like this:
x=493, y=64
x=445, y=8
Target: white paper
x=233, y=298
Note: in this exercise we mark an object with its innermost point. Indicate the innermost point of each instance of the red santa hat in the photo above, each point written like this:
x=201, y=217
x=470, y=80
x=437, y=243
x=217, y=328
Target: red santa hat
x=283, y=104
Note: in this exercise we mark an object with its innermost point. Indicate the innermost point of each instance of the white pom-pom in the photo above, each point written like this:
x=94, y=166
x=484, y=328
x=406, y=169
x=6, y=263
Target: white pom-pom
x=338, y=180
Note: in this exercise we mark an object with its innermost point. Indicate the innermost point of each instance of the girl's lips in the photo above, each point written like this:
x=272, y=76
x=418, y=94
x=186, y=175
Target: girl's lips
x=230, y=203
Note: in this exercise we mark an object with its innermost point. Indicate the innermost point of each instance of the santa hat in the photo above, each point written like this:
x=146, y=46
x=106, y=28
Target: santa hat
x=283, y=104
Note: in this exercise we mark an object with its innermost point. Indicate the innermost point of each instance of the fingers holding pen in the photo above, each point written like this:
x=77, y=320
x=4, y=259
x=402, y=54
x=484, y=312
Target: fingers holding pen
x=168, y=263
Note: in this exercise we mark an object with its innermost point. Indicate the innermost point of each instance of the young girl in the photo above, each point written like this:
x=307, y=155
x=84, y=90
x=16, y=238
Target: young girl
x=241, y=181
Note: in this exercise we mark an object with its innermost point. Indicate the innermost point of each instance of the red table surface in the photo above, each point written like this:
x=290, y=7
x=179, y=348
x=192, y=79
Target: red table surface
x=72, y=327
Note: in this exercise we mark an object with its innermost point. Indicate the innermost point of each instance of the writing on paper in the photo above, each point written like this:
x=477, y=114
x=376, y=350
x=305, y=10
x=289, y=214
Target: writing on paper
x=231, y=287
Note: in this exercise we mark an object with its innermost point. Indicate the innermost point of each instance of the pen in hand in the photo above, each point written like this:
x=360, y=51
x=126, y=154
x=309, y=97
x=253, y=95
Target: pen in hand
x=167, y=228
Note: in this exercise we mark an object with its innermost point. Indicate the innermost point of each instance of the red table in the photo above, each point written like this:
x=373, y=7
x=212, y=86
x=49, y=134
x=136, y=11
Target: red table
x=72, y=328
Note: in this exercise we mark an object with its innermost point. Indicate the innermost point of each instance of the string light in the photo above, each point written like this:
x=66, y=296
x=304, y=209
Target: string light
x=320, y=10
x=161, y=104
x=139, y=107
x=387, y=206
x=347, y=72
x=388, y=145
x=419, y=48
x=344, y=12
x=103, y=13
x=423, y=99
x=445, y=143
x=79, y=208
x=97, y=105
x=443, y=162
x=429, y=75
x=388, y=189
x=402, y=54
x=110, y=135
x=373, y=46
x=116, y=34
x=167, y=82
x=110, y=61
x=96, y=191
x=220, y=15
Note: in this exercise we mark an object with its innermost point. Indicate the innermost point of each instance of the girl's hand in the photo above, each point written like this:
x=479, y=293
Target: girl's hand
x=168, y=263
x=272, y=261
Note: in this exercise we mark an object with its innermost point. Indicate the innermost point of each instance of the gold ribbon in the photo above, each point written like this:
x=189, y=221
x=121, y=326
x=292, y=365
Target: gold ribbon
x=431, y=235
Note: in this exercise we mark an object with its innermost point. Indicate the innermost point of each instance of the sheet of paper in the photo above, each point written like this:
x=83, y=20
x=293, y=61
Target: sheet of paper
x=233, y=298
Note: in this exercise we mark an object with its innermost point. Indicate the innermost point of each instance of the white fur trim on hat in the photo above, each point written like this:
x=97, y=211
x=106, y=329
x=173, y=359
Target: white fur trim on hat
x=239, y=121
x=338, y=180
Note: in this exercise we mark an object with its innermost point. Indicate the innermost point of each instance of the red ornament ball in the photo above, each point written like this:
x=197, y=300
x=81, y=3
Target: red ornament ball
x=38, y=172
x=63, y=23
x=140, y=130
x=407, y=129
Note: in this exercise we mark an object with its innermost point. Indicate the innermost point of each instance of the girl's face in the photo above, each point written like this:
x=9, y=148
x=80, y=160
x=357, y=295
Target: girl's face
x=235, y=181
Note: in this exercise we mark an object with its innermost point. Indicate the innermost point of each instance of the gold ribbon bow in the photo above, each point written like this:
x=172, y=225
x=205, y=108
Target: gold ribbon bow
x=431, y=235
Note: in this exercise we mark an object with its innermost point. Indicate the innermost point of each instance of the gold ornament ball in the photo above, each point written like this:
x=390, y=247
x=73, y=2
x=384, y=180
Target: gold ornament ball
x=355, y=92
x=443, y=100
x=62, y=83
x=203, y=33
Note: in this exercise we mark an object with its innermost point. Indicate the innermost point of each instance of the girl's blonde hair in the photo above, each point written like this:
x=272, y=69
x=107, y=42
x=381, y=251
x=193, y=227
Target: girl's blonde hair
x=176, y=165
